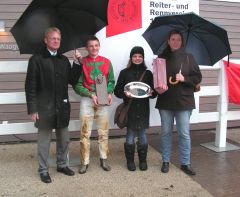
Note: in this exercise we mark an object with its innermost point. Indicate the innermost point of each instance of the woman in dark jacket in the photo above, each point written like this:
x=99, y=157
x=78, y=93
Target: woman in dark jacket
x=138, y=115
x=177, y=102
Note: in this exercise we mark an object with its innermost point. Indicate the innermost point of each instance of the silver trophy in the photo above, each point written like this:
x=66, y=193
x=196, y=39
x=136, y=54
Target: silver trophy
x=101, y=90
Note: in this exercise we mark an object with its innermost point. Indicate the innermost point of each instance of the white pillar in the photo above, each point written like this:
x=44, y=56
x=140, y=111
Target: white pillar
x=222, y=107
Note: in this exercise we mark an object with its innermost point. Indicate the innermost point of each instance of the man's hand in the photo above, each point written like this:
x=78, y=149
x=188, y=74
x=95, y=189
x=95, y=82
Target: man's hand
x=109, y=99
x=34, y=117
x=95, y=100
x=77, y=56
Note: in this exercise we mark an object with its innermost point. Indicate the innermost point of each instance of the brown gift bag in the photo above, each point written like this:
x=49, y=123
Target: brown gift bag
x=159, y=74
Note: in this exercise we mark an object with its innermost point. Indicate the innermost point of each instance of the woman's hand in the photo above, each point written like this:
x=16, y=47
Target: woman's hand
x=127, y=94
x=150, y=91
x=163, y=87
x=179, y=77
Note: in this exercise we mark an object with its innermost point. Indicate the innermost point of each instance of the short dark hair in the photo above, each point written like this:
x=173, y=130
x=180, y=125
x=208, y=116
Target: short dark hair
x=165, y=53
x=91, y=38
x=176, y=31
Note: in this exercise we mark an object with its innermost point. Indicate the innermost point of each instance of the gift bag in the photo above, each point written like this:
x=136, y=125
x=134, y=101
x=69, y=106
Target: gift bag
x=159, y=74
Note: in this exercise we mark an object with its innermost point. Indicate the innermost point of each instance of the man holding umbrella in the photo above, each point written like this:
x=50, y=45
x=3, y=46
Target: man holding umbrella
x=46, y=86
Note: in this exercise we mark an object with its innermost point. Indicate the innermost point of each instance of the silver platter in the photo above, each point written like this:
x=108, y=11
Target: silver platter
x=137, y=89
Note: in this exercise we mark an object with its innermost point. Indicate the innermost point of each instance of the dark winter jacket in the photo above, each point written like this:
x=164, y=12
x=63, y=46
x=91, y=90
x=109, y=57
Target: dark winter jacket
x=46, y=88
x=181, y=95
x=138, y=116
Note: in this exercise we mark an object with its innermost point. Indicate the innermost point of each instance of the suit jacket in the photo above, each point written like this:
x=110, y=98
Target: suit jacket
x=46, y=88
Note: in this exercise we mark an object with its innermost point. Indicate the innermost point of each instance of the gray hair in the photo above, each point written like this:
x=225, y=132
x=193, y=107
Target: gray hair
x=51, y=29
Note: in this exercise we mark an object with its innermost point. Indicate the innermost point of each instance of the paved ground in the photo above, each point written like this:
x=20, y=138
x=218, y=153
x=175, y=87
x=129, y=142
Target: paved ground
x=217, y=172
x=18, y=175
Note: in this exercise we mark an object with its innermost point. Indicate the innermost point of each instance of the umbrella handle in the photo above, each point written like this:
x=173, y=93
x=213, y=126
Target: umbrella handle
x=172, y=82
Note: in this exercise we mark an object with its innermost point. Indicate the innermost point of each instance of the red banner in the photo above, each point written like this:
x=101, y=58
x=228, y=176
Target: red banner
x=123, y=16
x=233, y=81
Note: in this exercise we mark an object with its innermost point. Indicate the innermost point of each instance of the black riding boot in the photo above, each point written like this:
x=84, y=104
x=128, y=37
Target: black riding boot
x=129, y=153
x=142, y=154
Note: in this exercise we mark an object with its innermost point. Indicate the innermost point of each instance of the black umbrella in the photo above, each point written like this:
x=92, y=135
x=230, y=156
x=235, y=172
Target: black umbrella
x=77, y=19
x=205, y=40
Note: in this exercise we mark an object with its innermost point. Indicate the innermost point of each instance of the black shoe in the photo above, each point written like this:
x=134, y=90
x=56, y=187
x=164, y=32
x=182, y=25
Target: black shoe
x=188, y=170
x=165, y=167
x=104, y=165
x=45, y=177
x=66, y=170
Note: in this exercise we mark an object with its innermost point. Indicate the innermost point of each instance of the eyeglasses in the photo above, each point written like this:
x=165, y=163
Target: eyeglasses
x=57, y=39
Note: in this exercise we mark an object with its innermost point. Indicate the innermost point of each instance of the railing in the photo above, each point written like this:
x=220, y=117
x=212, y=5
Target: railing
x=221, y=116
x=19, y=98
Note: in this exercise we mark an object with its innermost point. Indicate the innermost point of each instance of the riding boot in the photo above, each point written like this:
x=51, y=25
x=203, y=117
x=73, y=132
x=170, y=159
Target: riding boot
x=129, y=153
x=142, y=154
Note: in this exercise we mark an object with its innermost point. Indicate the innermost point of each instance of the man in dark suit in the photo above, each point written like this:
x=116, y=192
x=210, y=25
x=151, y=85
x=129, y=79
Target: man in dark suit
x=46, y=87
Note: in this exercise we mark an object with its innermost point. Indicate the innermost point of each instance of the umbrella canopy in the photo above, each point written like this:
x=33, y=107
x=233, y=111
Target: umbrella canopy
x=206, y=41
x=77, y=19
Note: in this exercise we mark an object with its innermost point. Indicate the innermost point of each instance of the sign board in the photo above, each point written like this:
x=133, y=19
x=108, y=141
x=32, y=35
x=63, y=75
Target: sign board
x=128, y=19
x=117, y=44
x=8, y=46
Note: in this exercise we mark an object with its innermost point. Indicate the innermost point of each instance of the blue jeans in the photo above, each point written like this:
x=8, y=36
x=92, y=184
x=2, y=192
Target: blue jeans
x=131, y=134
x=183, y=126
